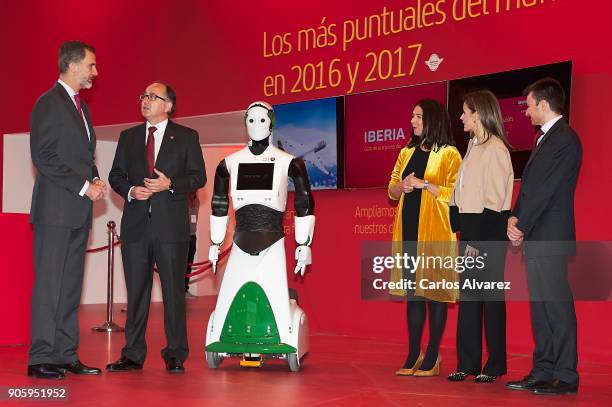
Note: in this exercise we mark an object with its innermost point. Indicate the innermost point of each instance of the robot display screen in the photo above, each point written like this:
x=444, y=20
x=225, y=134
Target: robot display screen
x=258, y=176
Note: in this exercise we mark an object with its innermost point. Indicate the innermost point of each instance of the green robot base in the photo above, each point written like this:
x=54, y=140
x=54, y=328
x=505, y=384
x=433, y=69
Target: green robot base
x=254, y=318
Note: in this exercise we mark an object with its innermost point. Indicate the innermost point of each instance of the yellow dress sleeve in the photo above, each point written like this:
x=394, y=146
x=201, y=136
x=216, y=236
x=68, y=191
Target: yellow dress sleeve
x=396, y=174
x=452, y=162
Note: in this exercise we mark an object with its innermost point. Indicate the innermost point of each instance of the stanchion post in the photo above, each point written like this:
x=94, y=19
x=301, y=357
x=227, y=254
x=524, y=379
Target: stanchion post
x=109, y=325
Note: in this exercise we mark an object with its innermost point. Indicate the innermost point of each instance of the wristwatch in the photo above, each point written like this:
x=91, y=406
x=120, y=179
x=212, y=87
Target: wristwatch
x=426, y=184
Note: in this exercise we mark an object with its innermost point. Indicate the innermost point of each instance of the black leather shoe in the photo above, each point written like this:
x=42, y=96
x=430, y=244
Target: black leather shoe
x=44, y=371
x=557, y=387
x=123, y=365
x=528, y=383
x=77, y=368
x=173, y=365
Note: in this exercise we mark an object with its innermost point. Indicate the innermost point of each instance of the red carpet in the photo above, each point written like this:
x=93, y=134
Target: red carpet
x=340, y=371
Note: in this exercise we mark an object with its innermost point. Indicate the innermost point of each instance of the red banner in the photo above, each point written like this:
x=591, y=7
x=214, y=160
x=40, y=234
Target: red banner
x=378, y=126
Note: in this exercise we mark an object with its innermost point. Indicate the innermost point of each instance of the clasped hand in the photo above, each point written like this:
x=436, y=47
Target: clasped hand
x=514, y=233
x=411, y=182
x=159, y=184
x=96, y=190
x=152, y=185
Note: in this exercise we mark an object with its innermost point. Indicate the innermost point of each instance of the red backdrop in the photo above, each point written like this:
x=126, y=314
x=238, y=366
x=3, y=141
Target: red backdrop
x=213, y=54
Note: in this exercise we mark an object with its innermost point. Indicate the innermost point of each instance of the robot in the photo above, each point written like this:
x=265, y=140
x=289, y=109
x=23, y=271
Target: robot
x=254, y=317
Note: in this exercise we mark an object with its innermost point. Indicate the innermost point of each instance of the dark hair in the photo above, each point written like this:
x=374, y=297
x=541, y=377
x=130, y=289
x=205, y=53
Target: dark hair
x=72, y=51
x=550, y=90
x=436, y=126
x=171, y=94
x=485, y=103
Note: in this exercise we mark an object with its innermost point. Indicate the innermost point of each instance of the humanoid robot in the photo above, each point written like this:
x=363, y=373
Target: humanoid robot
x=254, y=317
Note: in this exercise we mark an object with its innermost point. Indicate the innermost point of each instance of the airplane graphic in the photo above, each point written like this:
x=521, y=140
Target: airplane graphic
x=307, y=152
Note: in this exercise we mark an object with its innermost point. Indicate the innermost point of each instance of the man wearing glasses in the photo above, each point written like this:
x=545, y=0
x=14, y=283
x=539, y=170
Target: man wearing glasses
x=157, y=164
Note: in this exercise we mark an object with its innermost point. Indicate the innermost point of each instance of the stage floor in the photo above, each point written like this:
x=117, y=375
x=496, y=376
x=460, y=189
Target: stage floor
x=340, y=371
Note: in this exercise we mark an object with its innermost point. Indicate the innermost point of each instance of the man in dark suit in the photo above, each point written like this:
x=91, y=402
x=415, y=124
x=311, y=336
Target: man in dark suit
x=543, y=217
x=62, y=145
x=157, y=164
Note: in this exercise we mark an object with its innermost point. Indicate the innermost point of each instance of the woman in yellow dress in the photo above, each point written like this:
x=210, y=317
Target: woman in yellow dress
x=422, y=180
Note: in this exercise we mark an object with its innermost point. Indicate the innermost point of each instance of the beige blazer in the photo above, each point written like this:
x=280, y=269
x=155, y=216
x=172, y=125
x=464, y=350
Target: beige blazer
x=485, y=178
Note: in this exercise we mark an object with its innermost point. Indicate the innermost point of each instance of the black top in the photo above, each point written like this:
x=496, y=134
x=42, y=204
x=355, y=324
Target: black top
x=412, y=200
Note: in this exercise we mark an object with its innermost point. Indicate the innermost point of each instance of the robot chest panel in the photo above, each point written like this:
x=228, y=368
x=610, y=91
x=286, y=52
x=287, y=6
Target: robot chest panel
x=259, y=180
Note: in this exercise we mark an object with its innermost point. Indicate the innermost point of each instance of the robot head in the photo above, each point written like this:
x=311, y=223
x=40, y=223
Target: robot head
x=259, y=119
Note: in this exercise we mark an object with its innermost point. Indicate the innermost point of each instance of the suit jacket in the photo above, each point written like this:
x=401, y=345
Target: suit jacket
x=64, y=159
x=545, y=204
x=180, y=158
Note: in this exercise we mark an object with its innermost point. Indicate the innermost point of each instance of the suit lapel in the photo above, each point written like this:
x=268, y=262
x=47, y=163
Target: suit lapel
x=140, y=147
x=69, y=104
x=547, y=136
x=92, y=133
x=166, y=145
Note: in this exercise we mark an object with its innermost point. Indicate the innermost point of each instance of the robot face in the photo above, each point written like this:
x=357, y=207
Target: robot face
x=258, y=122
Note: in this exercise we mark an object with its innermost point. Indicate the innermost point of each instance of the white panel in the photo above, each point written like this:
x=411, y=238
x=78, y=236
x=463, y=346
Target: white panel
x=18, y=174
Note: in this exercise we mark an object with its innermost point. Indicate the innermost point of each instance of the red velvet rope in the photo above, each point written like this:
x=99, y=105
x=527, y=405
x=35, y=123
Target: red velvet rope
x=100, y=249
x=205, y=265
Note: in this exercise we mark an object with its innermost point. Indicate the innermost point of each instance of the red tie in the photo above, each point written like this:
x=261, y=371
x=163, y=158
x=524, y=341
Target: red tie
x=539, y=134
x=77, y=100
x=151, y=149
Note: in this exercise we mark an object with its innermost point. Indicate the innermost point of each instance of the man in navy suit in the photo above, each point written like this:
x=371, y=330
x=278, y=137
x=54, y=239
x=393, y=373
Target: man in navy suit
x=157, y=164
x=543, y=217
x=62, y=145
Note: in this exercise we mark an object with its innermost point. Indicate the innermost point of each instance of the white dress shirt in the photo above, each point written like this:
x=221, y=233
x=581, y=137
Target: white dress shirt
x=71, y=93
x=158, y=136
x=547, y=126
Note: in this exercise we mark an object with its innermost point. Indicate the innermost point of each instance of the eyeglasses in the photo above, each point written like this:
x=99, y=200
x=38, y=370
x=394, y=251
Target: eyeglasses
x=152, y=97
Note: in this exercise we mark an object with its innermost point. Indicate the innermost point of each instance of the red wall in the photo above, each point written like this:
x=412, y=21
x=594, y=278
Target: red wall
x=212, y=52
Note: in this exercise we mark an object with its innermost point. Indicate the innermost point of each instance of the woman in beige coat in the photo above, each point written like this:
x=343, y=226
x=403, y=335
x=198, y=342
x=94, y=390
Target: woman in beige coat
x=483, y=195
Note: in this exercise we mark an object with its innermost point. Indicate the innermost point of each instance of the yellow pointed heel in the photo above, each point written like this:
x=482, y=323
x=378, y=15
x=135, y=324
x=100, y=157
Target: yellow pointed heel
x=410, y=372
x=435, y=371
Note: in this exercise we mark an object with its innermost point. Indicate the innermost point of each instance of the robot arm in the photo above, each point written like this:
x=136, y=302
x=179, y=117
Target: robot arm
x=304, y=219
x=304, y=230
x=304, y=202
x=218, y=218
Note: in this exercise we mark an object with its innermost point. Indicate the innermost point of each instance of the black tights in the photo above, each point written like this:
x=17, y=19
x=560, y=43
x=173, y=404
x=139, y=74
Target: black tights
x=416, y=313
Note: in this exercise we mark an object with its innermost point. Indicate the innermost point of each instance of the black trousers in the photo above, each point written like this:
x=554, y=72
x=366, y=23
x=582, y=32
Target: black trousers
x=483, y=307
x=59, y=258
x=138, y=261
x=553, y=320
x=190, y=256
x=470, y=320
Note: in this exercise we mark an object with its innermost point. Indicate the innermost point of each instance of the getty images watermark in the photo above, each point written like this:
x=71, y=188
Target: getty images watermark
x=484, y=271
x=410, y=264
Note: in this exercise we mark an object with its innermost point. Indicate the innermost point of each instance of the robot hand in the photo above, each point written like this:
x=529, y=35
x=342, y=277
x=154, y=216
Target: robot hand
x=303, y=257
x=213, y=256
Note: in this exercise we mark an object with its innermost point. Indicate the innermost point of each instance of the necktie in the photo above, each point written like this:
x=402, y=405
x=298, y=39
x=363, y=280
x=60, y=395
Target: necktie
x=151, y=149
x=77, y=100
x=539, y=134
